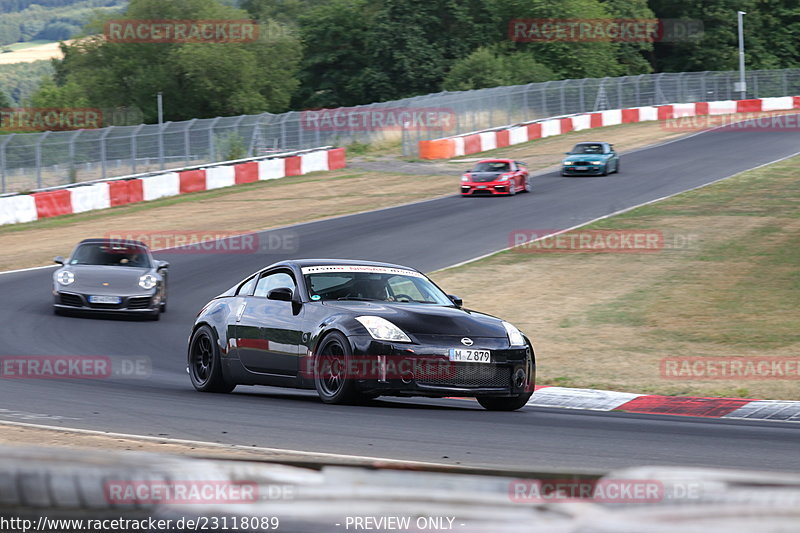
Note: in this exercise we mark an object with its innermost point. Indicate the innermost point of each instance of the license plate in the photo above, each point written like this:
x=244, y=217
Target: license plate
x=581, y=168
x=463, y=355
x=105, y=299
x=481, y=186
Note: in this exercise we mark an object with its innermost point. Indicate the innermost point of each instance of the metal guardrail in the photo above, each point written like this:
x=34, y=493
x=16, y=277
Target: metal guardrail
x=39, y=160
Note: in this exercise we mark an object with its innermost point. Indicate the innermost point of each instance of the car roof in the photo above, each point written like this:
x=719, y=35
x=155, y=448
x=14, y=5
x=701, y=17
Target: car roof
x=496, y=161
x=322, y=262
x=104, y=240
x=591, y=142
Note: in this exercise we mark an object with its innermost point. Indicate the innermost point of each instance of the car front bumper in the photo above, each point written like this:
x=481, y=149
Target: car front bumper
x=486, y=189
x=133, y=304
x=399, y=369
x=589, y=170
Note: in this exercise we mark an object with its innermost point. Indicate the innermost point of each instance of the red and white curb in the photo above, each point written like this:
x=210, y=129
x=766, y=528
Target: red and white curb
x=603, y=400
x=113, y=192
x=492, y=138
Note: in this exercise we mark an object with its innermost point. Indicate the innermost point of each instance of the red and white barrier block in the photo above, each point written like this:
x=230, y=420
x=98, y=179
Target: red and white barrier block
x=473, y=143
x=80, y=198
x=602, y=400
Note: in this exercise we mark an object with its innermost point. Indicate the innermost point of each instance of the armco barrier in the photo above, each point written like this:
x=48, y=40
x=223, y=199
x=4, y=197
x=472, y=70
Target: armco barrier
x=481, y=141
x=120, y=191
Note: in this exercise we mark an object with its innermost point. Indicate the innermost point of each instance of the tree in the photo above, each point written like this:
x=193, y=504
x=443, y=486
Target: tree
x=284, y=11
x=632, y=56
x=771, y=29
x=335, y=54
x=5, y=101
x=197, y=79
x=489, y=67
x=569, y=59
x=413, y=43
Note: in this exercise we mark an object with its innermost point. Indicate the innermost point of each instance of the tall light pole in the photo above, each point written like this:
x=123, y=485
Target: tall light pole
x=160, y=103
x=742, y=85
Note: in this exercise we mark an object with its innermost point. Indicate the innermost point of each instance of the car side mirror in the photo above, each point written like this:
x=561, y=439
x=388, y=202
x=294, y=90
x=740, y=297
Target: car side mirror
x=161, y=265
x=58, y=259
x=567, y=153
x=283, y=294
x=458, y=302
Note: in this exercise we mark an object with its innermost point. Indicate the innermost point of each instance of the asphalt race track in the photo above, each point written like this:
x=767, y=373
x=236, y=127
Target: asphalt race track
x=427, y=235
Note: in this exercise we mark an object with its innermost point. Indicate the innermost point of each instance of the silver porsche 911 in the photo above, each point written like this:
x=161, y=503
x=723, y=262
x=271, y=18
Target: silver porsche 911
x=110, y=277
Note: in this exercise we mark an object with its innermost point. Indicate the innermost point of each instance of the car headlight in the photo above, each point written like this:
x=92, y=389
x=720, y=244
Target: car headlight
x=464, y=178
x=568, y=163
x=148, y=281
x=596, y=162
x=382, y=330
x=65, y=277
x=515, y=336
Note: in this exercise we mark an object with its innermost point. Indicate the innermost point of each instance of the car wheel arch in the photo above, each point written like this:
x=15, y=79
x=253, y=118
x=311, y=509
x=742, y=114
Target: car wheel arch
x=215, y=332
x=325, y=333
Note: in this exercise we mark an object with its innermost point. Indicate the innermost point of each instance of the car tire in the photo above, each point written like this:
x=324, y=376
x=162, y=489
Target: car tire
x=616, y=168
x=333, y=384
x=205, y=365
x=155, y=315
x=528, y=185
x=605, y=170
x=511, y=403
x=164, y=306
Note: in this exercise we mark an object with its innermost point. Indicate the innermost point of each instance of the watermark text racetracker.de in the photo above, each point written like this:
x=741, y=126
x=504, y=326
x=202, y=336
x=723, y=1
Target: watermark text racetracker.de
x=74, y=367
x=599, y=241
x=209, y=241
x=181, y=31
x=438, y=119
x=192, y=492
x=50, y=118
x=754, y=121
x=735, y=368
x=604, y=30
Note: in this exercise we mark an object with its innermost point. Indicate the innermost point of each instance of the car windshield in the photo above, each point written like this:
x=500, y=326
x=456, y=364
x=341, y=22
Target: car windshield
x=110, y=255
x=587, y=149
x=372, y=283
x=491, y=166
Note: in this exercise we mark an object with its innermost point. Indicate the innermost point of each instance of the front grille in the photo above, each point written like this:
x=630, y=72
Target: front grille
x=139, y=302
x=105, y=306
x=71, y=299
x=484, y=178
x=467, y=375
x=481, y=192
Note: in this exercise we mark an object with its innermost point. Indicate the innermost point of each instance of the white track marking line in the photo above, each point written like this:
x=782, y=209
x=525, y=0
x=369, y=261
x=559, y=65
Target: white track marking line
x=237, y=447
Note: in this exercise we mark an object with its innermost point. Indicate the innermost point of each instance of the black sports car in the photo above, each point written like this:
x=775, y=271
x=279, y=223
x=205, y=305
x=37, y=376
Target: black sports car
x=110, y=277
x=357, y=330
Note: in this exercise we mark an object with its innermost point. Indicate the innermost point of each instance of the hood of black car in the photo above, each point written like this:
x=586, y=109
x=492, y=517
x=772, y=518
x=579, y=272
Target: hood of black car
x=428, y=319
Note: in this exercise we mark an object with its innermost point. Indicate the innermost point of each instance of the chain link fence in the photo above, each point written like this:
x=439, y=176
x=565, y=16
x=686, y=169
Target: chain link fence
x=30, y=161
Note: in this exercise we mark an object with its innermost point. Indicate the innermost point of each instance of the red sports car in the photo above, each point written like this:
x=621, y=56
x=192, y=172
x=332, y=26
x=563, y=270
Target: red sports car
x=490, y=177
